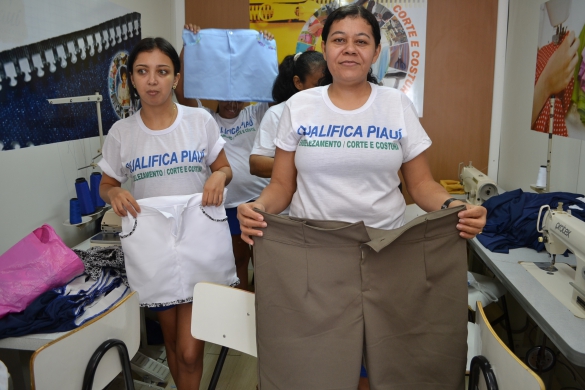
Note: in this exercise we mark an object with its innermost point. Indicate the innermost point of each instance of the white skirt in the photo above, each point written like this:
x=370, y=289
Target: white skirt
x=173, y=244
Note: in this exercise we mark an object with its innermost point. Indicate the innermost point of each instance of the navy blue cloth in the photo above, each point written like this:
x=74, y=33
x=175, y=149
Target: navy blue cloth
x=233, y=222
x=511, y=218
x=56, y=310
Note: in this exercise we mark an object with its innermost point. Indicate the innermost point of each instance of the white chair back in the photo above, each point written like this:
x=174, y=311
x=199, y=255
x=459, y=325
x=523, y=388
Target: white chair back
x=61, y=364
x=224, y=316
x=510, y=372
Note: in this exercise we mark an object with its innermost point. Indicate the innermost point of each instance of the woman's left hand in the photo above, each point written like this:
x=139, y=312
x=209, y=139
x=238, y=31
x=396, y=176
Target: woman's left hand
x=267, y=34
x=213, y=189
x=471, y=221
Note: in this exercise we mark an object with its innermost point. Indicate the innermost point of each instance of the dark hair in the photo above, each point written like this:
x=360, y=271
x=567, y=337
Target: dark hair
x=305, y=64
x=352, y=11
x=149, y=44
x=123, y=70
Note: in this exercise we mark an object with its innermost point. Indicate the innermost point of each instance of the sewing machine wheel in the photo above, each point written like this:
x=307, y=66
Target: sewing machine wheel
x=546, y=362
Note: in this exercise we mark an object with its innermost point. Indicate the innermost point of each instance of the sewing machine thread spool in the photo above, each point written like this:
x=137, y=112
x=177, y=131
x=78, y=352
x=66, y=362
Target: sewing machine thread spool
x=94, y=183
x=541, y=180
x=74, y=211
x=84, y=196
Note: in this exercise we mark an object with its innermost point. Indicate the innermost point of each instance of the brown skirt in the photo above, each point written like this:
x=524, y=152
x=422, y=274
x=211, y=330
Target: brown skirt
x=330, y=295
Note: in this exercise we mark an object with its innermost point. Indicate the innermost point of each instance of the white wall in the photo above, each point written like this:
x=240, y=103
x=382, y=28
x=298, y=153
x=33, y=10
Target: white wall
x=522, y=150
x=36, y=183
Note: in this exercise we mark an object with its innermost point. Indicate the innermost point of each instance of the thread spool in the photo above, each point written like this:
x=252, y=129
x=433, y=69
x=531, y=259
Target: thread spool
x=74, y=211
x=94, y=185
x=541, y=180
x=84, y=196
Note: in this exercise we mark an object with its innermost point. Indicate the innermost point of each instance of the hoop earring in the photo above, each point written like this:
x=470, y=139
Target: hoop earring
x=174, y=87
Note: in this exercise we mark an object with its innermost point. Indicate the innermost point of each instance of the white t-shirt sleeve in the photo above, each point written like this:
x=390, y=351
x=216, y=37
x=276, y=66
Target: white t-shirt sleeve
x=111, y=162
x=416, y=140
x=258, y=111
x=286, y=137
x=264, y=141
x=215, y=141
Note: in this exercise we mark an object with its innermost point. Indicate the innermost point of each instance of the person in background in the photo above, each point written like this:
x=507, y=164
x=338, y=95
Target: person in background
x=357, y=184
x=238, y=125
x=123, y=88
x=295, y=73
x=162, y=127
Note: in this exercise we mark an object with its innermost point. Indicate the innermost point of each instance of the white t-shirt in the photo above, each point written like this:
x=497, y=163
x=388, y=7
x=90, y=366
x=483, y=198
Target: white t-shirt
x=347, y=161
x=239, y=134
x=264, y=141
x=173, y=161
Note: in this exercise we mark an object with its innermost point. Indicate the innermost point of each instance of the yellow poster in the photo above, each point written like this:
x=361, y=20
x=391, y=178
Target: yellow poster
x=297, y=27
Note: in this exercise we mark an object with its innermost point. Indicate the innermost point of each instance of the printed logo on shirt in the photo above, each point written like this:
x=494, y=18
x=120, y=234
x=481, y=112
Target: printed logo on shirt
x=313, y=133
x=233, y=132
x=169, y=162
x=341, y=131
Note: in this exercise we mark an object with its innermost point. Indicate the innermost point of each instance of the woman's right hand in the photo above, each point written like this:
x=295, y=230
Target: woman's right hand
x=250, y=221
x=192, y=27
x=559, y=69
x=123, y=202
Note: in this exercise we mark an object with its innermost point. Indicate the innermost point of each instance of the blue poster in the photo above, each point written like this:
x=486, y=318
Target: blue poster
x=75, y=64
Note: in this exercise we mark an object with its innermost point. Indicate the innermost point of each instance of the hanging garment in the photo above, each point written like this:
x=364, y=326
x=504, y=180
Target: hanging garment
x=330, y=293
x=173, y=244
x=229, y=65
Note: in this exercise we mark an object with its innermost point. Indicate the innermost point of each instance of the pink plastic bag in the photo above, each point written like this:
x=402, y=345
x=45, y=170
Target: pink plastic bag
x=35, y=264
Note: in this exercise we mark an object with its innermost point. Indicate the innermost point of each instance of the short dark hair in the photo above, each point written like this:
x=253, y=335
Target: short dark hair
x=149, y=44
x=305, y=64
x=123, y=70
x=351, y=11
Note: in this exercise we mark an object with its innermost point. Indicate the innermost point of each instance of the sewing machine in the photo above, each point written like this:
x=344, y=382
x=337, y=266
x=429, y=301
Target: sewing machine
x=561, y=231
x=478, y=186
x=111, y=227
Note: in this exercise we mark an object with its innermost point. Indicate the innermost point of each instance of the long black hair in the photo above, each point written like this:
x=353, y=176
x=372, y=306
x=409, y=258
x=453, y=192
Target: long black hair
x=305, y=64
x=351, y=11
x=149, y=44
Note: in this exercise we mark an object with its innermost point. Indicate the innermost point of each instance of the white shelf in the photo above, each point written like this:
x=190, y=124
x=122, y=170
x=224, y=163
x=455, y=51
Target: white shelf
x=84, y=220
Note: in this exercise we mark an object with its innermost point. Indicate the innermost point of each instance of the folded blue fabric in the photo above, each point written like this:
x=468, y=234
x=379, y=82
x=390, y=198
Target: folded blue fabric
x=58, y=310
x=511, y=218
x=229, y=65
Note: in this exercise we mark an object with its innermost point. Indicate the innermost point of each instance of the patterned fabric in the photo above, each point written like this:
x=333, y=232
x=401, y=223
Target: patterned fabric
x=96, y=258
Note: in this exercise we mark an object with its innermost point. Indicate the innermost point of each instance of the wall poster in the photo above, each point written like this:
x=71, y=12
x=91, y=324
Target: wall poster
x=79, y=63
x=560, y=69
x=297, y=27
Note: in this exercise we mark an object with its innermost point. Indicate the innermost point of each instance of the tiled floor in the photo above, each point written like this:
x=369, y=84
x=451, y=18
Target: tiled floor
x=238, y=373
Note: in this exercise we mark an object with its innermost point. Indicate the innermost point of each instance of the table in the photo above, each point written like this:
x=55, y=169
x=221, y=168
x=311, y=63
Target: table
x=565, y=330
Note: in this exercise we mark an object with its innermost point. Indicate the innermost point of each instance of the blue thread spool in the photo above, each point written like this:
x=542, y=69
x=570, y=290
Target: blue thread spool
x=74, y=211
x=94, y=185
x=84, y=196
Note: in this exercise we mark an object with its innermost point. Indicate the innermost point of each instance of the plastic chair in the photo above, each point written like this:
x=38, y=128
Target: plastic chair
x=500, y=367
x=224, y=316
x=74, y=360
x=496, y=289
